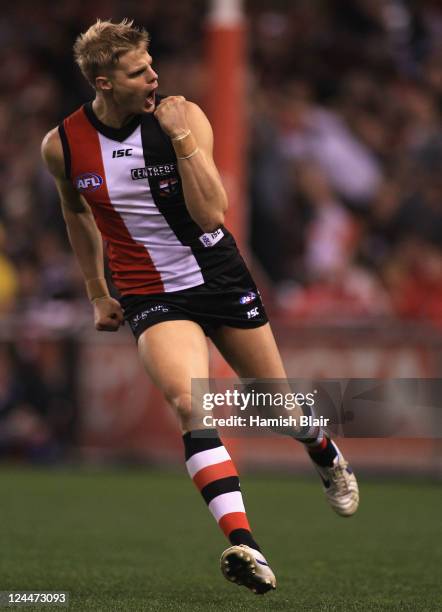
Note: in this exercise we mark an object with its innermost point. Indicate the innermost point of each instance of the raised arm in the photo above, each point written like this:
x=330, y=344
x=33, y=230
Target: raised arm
x=84, y=237
x=192, y=138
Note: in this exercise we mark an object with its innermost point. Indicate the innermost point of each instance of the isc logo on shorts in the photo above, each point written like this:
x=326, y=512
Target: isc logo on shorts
x=88, y=181
x=251, y=314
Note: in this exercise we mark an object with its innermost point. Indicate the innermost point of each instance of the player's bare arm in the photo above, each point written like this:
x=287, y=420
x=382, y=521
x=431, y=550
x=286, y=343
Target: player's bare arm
x=192, y=138
x=84, y=237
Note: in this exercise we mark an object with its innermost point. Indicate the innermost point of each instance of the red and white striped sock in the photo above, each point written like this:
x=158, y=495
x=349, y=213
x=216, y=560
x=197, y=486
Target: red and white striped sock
x=214, y=474
x=320, y=448
x=316, y=439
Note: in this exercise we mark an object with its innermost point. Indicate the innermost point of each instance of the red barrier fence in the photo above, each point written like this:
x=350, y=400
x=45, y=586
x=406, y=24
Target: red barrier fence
x=122, y=414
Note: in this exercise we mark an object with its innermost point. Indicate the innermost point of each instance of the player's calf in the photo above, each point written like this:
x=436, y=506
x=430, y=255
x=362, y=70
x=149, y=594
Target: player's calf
x=214, y=474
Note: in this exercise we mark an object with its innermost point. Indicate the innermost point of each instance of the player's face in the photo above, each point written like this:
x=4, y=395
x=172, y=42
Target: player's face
x=134, y=82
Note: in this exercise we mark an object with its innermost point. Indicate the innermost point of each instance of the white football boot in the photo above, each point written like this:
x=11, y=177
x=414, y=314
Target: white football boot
x=340, y=485
x=247, y=567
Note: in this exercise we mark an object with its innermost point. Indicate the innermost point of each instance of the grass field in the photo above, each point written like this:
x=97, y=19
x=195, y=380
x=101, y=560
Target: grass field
x=142, y=540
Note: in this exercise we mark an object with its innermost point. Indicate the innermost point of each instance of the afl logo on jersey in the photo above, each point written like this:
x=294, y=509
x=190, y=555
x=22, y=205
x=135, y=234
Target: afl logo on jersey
x=88, y=181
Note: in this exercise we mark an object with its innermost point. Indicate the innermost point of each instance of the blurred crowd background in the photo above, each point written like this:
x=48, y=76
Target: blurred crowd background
x=345, y=146
x=345, y=157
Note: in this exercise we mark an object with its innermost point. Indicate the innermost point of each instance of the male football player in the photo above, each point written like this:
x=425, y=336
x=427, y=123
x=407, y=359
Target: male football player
x=136, y=169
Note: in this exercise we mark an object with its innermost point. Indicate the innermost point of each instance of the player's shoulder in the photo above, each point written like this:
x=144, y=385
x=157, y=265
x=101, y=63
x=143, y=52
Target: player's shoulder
x=51, y=142
x=52, y=152
x=194, y=109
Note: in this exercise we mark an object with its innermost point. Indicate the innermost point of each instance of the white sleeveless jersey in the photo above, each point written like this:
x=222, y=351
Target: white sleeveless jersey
x=129, y=177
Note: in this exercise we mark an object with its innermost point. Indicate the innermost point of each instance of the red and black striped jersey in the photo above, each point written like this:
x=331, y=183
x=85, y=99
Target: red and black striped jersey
x=129, y=177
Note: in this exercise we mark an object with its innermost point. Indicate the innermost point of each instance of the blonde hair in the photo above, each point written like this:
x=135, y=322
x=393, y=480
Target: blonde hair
x=100, y=47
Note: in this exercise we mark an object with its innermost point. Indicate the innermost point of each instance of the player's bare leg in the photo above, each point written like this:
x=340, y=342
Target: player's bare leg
x=253, y=353
x=174, y=352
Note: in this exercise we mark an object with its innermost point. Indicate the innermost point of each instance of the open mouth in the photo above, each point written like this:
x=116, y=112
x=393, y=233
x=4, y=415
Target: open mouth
x=150, y=100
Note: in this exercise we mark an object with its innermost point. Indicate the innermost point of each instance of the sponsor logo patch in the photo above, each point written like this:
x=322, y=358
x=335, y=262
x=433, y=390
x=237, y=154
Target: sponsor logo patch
x=211, y=238
x=142, y=316
x=122, y=153
x=168, y=187
x=160, y=171
x=89, y=181
x=249, y=297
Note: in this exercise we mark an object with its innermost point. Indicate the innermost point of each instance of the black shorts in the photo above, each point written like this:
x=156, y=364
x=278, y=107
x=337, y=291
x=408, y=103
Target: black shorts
x=229, y=299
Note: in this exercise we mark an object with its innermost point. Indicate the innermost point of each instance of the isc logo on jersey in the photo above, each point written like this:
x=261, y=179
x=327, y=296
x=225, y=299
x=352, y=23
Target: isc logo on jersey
x=88, y=181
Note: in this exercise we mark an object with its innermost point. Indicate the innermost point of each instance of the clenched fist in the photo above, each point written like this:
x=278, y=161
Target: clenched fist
x=171, y=115
x=108, y=314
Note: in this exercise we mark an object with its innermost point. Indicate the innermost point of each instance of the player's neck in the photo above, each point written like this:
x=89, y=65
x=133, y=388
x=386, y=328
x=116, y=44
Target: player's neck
x=110, y=114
